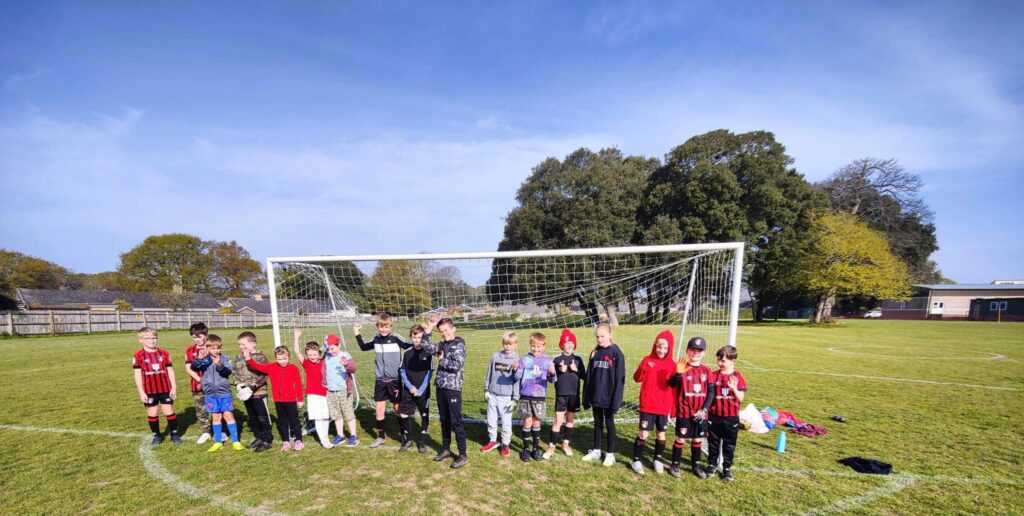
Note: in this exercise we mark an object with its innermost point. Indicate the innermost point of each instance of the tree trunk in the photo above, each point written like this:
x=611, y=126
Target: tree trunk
x=823, y=313
x=609, y=310
x=757, y=307
x=632, y=307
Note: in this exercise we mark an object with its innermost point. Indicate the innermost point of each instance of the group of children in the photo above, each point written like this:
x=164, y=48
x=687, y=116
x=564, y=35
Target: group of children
x=704, y=403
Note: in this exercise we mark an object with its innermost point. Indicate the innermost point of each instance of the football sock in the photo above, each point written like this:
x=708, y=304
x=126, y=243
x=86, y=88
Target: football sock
x=677, y=453
x=380, y=428
x=526, y=438
x=536, y=437
x=638, y=448
x=406, y=425
x=659, y=448
x=424, y=421
x=695, y=452
x=154, y=424
x=567, y=433
x=233, y=430
x=556, y=436
x=172, y=423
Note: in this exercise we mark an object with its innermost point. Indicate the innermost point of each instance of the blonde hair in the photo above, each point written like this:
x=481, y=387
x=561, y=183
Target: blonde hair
x=144, y=330
x=383, y=319
x=213, y=341
x=611, y=335
x=510, y=337
x=539, y=338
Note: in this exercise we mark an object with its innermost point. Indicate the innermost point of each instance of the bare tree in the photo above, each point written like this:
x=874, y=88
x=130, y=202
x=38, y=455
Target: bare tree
x=862, y=187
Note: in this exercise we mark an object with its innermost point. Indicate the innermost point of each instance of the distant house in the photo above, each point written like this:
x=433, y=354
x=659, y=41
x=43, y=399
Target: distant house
x=261, y=305
x=958, y=302
x=46, y=299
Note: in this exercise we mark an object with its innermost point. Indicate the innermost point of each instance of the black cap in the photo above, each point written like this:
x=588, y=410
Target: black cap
x=697, y=343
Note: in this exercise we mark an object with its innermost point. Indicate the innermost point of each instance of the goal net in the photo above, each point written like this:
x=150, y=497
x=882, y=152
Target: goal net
x=691, y=289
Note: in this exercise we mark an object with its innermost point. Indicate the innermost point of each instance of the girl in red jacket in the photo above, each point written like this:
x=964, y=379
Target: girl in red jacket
x=286, y=386
x=657, y=400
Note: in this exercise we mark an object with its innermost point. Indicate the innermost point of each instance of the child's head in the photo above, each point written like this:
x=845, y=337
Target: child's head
x=695, y=350
x=661, y=348
x=567, y=342
x=333, y=344
x=416, y=334
x=726, y=357
x=447, y=328
x=384, y=324
x=147, y=337
x=509, y=342
x=663, y=344
x=281, y=355
x=247, y=341
x=199, y=332
x=537, y=343
x=214, y=344
x=603, y=334
x=313, y=351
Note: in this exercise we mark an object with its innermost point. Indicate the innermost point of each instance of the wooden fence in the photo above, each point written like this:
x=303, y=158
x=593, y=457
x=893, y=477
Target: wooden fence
x=55, y=322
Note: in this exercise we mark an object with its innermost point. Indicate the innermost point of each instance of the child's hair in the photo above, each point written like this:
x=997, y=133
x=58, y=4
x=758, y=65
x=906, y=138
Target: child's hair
x=312, y=345
x=510, y=337
x=446, y=320
x=213, y=341
x=247, y=335
x=416, y=328
x=611, y=335
x=539, y=338
x=281, y=350
x=727, y=352
x=144, y=330
x=383, y=319
x=198, y=329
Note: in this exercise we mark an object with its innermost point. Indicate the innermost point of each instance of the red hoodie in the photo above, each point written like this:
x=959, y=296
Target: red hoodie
x=285, y=381
x=653, y=374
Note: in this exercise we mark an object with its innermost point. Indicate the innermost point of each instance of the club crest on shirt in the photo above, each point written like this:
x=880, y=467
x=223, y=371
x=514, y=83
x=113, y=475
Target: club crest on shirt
x=156, y=367
x=696, y=388
x=703, y=378
x=725, y=391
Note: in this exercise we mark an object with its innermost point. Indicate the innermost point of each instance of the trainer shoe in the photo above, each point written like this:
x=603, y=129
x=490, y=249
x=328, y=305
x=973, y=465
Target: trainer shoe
x=175, y=438
x=215, y=447
x=442, y=455
x=260, y=447
x=710, y=470
x=566, y=449
x=203, y=438
x=237, y=446
x=353, y=441
x=377, y=442
x=420, y=447
x=462, y=460
x=674, y=471
x=609, y=459
x=488, y=447
x=254, y=442
x=537, y=455
x=326, y=444
x=504, y=450
x=592, y=455
x=699, y=472
x=659, y=467
x=286, y=446
x=338, y=439
x=637, y=466
x=406, y=444
x=299, y=445
x=727, y=475
x=157, y=439
x=524, y=455
x=550, y=452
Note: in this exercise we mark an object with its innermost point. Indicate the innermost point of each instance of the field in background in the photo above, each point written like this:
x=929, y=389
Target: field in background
x=941, y=401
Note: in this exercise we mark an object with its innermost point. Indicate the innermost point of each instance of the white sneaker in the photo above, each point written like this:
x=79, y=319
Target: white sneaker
x=638, y=468
x=592, y=455
x=609, y=459
x=326, y=444
x=203, y=438
x=659, y=467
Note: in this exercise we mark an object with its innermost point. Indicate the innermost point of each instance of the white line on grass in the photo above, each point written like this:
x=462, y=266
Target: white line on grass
x=880, y=378
x=840, y=349
x=72, y=431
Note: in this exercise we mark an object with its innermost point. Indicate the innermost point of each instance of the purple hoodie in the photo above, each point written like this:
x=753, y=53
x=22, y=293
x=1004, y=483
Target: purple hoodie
x=533, y=375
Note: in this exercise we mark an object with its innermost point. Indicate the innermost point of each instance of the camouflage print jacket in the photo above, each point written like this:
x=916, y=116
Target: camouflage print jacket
x=245, y=376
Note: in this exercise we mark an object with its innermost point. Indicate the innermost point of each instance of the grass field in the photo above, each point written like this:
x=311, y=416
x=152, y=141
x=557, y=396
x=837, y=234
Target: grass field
x=941, y=401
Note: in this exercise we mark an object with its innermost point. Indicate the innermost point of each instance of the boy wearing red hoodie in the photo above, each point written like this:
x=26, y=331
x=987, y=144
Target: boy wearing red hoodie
x=286, y=386
x=691, y=380
x=657, y=398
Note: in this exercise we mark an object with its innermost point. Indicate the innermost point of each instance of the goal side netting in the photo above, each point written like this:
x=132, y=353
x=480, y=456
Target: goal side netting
x=692, y=290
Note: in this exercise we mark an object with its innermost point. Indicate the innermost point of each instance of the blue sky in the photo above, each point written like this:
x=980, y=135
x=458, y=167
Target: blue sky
x=354, y=129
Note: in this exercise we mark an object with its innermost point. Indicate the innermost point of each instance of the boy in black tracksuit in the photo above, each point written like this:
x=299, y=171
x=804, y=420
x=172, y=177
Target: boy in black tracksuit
x=417, y=364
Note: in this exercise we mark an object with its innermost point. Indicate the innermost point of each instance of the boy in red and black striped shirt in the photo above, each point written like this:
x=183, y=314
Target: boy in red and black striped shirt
x=154, y=378
x=693, y=403
x=193, y=353
x=729, y=388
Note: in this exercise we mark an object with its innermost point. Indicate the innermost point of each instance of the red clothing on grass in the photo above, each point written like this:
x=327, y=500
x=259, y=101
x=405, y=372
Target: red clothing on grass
x=154, y=366
x=285, y=381
x=653, y=374
x=315, y=383
x=726, y=404
x=191, y=355
x=692, y=391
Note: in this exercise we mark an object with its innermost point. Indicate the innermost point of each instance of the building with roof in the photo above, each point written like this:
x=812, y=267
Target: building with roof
x=261, y=305
x=48, y=299
x=959, y=302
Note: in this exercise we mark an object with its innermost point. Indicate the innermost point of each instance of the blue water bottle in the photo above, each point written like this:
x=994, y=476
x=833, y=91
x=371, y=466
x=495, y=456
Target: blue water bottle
x=780, y=444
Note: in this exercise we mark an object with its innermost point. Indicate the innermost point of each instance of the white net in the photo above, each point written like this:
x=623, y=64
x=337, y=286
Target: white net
x=639, y=293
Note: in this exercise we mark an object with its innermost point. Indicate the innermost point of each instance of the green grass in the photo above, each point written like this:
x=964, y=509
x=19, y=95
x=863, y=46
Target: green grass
x=956, y=443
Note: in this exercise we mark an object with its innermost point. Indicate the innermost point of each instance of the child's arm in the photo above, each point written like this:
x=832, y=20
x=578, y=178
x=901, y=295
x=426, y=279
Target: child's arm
x=256, y=366
x=738, y=388
x=297, y=383
x=454, y=360
x=579, y=368
x=197, y=366
x=174, y=385
x=192, y=371
x=405, y=381
x=224, y=368
x=641, y=373
x=296, y=337
x=350, y=365
x=363, y=345
x=138, y=385
x=620, y=380
x=426, y=382
x=487, y=375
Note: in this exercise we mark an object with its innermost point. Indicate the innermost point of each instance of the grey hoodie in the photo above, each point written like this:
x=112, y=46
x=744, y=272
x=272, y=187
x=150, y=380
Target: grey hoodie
x=500, y=380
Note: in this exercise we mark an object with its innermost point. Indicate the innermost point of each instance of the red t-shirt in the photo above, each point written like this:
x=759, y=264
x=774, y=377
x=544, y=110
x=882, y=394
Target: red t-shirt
x=726, y=404
x=191, y=355
x=692, y=391
x=285, y=381
x=314, y=377
x=154, y=366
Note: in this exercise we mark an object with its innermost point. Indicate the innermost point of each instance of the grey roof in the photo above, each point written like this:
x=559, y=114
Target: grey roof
x=262, y=306
x=83, y=299
x=975, y=286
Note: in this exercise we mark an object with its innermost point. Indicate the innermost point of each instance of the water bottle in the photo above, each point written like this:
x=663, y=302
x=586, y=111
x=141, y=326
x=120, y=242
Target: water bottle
x=780, y=444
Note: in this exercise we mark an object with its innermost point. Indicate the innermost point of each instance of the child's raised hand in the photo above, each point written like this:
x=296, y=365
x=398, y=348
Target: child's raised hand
x=681, y=366
x=551, y=368
x=563, y=368
x=300, y=404
x=216, y=360
x=733, y=382
x=356, y=327
x=573, y=366
x=515, y=366
x=297, y=332
x=432, y=321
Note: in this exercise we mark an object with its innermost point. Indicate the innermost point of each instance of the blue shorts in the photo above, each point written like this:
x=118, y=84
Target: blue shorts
x=216, y=404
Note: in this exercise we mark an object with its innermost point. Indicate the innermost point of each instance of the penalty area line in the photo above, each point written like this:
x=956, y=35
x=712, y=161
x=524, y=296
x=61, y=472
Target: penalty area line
x=881, y=378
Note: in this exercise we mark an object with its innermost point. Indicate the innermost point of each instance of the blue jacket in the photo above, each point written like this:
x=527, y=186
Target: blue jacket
x=215, y=382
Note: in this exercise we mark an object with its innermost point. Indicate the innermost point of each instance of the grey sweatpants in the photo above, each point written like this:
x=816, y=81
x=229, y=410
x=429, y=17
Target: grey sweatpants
x=499, y=407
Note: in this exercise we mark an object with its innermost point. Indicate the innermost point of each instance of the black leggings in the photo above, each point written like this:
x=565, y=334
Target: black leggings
x=604, y=417
x=288, y=421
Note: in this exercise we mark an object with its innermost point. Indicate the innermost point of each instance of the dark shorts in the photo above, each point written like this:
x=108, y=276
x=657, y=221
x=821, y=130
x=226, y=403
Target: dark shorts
x=687, y=428
x=411, y=404
x=567, y=403
x=387, y=390
x=159, y=398
x=651, y=422
x=533, y=408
